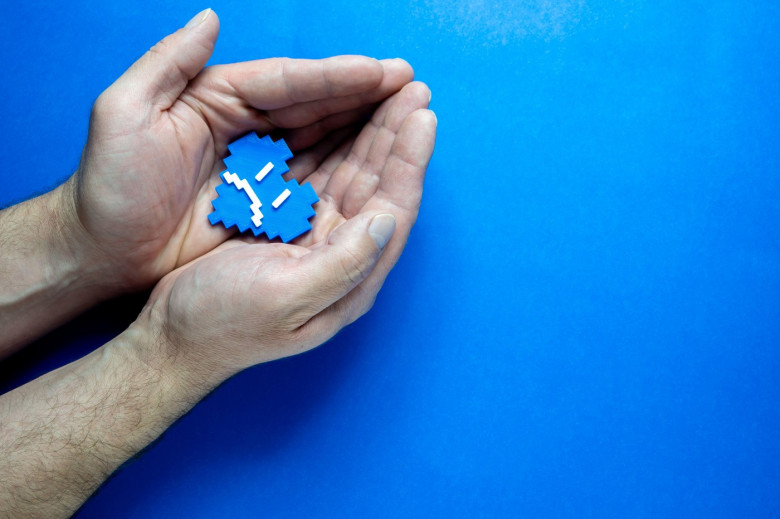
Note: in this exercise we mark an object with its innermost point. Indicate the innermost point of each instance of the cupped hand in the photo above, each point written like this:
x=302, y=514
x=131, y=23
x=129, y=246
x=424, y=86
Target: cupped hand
x=250, y=301
x=143, y=190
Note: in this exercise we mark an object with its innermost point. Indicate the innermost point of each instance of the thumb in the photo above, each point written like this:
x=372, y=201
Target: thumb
x=160, y=75
x=348, y=257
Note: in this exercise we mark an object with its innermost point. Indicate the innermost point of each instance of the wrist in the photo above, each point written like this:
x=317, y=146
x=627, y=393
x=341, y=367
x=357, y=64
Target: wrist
x=179, y=367
x=93, y=266
x=62, y=434
x=48, y=275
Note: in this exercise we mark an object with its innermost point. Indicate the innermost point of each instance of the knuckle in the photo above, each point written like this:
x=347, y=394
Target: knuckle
x=103, y=104
x=305, y=337
x=342, y=313
x=160, y=48
x=423, y=89
x=354, y=268
x=361, y=304
x=368, y=304
x=112, y=106
x=297, y=314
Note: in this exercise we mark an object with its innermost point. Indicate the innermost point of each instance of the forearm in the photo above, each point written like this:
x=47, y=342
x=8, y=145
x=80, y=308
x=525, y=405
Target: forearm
x=64, y=433
x=46, y=275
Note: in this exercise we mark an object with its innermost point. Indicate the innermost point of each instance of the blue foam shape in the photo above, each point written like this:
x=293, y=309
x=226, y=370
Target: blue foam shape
x=248, y=155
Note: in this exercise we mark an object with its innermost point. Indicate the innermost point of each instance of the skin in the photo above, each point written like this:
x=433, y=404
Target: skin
x=135, y=215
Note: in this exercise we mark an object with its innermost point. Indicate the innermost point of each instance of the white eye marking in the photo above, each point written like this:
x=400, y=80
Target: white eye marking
x=263, y=172
x=242, y=185
x=281, y=198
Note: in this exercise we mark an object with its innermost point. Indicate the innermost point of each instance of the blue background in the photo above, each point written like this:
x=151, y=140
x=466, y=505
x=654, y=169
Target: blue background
x=585, y=322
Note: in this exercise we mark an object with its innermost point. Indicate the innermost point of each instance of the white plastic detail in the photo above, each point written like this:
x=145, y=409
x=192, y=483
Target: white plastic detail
x=280, y=199
x=263, y=172
x=242, y=185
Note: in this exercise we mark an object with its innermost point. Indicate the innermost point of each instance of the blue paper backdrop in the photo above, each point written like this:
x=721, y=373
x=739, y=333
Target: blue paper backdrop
x=585, y=322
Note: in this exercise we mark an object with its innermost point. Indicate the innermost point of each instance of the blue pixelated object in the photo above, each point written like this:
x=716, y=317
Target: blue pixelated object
x=233, y=206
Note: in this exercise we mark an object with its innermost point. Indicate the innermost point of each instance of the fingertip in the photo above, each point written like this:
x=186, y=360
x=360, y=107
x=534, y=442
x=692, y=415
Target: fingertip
x=417, y=93
x=352, y=233
x=424, y=92
x=373, y=70
x=416, y=138
x=213, y=23
x=381, y=229
x=425, y=117
x=158, y=77
x=399, y=69
x=362, y=72
x=350, y=228
x=205, y=23
x=376, y=66
x=198, y=19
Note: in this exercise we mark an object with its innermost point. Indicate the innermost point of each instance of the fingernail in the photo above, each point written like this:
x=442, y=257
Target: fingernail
x=198, y=18
x=436, y=119
x=381, y=229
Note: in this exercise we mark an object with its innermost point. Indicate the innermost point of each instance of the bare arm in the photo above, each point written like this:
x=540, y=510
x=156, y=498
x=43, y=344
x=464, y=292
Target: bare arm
x=47, y=274
x=64, y=433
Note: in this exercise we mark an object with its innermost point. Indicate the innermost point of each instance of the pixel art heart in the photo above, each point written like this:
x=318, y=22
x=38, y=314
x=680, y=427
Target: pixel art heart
x=254, y=196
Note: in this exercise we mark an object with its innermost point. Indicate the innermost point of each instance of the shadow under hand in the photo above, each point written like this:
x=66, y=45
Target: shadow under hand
x=258, y=411
x=250, y=418
x=70, y=341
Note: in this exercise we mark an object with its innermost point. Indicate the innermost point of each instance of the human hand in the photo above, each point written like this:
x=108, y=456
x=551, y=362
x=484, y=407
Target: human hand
x=143, y=190
x=250, y=301
x=138, y=207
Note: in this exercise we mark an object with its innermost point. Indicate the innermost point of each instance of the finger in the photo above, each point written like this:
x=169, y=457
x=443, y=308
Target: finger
x=360, y=170
x=395, y=74
x=325, y=166
x=390, y=115
x=302, y=138
x=322, y=175
x=401, y=180
x=333, y=149
x=237, y=98
x=329, y=272
x=359, y=300
x=400, y=187
x=271, y=84
x=159, y=76
x=364, y=185
x=313, y=158
x=400, y=191
x=313, y=121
